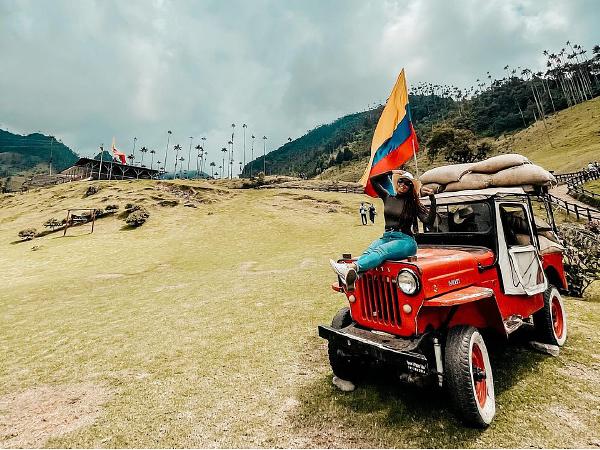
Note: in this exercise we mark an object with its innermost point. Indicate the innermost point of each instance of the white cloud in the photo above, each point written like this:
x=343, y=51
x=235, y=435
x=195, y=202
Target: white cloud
x=88, y=70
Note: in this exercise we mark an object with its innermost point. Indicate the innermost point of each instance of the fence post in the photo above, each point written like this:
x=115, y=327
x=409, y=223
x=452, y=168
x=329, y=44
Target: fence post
x=576, y=211
x=567, y=208
x=589, y=214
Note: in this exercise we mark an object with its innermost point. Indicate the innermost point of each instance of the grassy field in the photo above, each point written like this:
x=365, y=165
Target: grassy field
x=199, y=330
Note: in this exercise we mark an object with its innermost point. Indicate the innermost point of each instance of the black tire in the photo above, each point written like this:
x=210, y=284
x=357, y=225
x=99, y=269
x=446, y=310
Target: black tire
x=344, y=366
x=469, y=376
x=551, y=321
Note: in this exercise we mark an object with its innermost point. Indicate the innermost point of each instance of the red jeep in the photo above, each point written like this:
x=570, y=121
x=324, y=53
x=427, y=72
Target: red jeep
x=485, y=264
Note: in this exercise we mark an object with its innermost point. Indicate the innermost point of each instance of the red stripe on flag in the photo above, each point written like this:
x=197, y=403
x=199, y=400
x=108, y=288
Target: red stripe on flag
x=394, y=160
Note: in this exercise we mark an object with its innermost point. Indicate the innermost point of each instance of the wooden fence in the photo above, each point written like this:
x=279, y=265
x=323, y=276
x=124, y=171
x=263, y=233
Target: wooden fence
x=580, y=212
x=575, y=184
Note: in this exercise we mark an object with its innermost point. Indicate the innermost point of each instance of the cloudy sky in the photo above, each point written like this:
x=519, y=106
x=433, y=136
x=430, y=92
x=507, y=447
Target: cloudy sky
x=88, y=70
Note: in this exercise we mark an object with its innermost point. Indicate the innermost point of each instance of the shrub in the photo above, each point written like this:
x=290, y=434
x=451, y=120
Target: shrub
x=112, y=207
x=138, y=217
x=91, y=190
x=27, y=234
x=52, y=223
x=130, y=207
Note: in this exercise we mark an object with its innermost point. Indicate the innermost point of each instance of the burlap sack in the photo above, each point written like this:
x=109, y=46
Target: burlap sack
x=470, y=181
x=435, y=187
x=525, y=174
x=445, y=174
x=498, y=163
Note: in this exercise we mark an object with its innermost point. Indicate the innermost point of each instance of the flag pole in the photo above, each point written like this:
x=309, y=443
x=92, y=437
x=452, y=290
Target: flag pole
x=415, y=156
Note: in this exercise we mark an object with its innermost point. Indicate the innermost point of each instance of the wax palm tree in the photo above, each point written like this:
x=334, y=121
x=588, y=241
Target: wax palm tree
x=152, y=152
x=244, y=126
x=182, y=159
x=204, y=152
x=176, y=148
x=197, y=148
x=130, y=158
x=143, y=150
x=212, y=170
x=231, y=156
x=221, y=169
x=264, y=155
x=167, y=149
x=230, y=152
x=252, y=156
x=224, y=150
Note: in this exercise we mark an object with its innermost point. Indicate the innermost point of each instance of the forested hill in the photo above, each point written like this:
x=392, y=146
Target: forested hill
x=21, y=154
x=450, y=122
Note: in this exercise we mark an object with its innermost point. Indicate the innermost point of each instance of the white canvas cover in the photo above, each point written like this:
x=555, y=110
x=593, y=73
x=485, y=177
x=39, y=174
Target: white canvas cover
x=520, y=265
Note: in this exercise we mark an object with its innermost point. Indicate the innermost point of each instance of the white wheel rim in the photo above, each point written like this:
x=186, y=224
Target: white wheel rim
x=487, y=411
x=557, y=306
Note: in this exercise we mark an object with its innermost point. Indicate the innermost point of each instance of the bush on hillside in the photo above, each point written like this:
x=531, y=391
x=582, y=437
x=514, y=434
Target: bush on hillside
x=581, y=257
x=91, y=190
x=27, y=234
x=52, y=223
x=137, y=217
x=112, y=207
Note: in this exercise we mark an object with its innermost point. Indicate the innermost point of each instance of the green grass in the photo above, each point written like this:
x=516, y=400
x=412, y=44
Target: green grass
x=593, y=186
x=574, y=139
x=201, y=326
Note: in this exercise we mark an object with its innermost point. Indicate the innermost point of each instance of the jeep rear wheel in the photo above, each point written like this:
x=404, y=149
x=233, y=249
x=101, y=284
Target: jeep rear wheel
x=551, y=321
x=343, y=365
x=469, y=376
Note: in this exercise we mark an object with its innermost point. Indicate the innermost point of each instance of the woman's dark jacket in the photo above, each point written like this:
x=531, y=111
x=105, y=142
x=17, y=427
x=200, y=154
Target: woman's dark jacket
x=394, y=206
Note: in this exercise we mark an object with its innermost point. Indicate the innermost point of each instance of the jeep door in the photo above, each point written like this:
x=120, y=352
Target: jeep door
x=518, y=255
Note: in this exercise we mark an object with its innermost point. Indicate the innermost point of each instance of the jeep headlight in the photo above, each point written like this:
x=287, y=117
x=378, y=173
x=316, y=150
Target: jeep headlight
x=407, y=282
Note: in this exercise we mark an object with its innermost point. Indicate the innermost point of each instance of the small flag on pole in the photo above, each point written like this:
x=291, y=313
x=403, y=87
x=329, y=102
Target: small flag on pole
x=394, y=141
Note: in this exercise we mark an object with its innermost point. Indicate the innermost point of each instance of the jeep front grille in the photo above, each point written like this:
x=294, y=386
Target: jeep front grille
x=379, y=299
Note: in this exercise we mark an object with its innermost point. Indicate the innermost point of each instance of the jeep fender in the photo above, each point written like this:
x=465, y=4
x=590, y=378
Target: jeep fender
x=474, y=305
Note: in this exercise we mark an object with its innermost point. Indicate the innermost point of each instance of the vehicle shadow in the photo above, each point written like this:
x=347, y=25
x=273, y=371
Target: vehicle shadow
x=385, y=412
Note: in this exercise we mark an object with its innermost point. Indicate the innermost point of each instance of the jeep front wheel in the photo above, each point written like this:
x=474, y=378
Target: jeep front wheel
x=343, y=365
x=551, y=321
x=469, y=376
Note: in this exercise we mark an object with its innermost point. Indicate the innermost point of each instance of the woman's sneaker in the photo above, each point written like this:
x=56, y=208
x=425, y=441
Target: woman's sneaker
x=345, y=272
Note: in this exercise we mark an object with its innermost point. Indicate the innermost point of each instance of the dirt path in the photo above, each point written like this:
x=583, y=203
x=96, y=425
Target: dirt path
x=561, y=192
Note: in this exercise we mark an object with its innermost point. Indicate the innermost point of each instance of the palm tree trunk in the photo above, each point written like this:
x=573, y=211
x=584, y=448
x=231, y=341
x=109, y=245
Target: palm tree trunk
x=549, y=94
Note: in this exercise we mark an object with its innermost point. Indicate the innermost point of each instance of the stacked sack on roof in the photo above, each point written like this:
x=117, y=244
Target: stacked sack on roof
x=499, y=171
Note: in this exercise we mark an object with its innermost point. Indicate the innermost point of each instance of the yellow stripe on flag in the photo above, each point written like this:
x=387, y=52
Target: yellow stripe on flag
x=393, y=113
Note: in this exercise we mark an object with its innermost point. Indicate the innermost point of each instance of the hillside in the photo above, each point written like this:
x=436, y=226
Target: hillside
x=199, y=330
x=574, y=133
x=30, y=154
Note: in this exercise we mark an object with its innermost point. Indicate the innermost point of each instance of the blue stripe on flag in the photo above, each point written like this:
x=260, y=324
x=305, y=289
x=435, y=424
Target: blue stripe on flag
x=401, y=134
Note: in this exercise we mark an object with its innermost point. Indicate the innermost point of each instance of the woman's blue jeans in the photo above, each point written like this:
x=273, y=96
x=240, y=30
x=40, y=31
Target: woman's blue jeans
x=392, y=245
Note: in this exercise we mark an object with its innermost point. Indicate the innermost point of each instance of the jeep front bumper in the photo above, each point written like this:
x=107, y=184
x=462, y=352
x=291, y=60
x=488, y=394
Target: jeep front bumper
x=402, y=353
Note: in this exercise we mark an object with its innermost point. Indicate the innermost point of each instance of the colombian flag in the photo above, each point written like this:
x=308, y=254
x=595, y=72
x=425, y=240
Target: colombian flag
x=394, y=141
x=118, y=154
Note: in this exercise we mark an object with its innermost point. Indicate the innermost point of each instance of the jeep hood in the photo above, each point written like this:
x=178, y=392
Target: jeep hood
x=445, y=269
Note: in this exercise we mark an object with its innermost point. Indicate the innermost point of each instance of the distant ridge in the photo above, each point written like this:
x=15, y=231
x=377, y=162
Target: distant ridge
x=29, y=154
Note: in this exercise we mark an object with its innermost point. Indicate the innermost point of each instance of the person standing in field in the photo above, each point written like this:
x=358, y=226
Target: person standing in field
x=363, y=213
x=372, y=213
